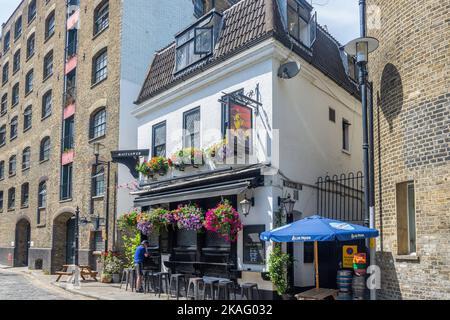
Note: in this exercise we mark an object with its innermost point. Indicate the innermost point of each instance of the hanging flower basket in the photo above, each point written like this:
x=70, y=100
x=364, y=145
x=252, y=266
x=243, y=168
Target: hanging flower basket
x=161, y=217
x=128, y=221
x=188, y=217
x=144, y=224
x=156, y=165
x=224, y=220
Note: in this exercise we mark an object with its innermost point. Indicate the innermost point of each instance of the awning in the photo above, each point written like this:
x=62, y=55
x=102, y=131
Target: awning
x=206, y=191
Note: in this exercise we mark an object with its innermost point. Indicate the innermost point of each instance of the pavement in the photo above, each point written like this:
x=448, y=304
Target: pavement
x=25, y=284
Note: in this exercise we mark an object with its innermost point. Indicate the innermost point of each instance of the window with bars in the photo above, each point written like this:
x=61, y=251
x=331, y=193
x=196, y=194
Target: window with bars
x=11, y=198
x=2, y=135
x=98, y=180
x=50, y=25
x=16, y=61
x=159, y=140
x=26, y=158
x=98, y=124
x=18, y=28
x=13, y=128
x=44, y=152
x=12, y=165
x=100, y=66
x=48, y=65
x=27, y=118
x=191, y=128
x=4, y=104
x=42, y=195
x=31, y=42
x=15, y=95
x=25, y=195
x=5, y=73
x=101, y=17
x=29, y=82
x=47, y=104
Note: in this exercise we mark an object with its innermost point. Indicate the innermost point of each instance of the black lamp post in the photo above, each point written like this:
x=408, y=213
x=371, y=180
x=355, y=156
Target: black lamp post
x=96, y=147
x=287, y=204
x=361, y=48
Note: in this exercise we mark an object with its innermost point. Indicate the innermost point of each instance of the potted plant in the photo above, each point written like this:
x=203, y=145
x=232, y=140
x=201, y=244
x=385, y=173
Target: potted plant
x=278, y=265
x=188, y=217
x=224, y=220
x=112, y=266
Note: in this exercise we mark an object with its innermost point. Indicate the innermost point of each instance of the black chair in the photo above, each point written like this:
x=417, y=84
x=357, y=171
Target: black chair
x=148, y=281
x=226, y=287
x=159, y=279
x=128, y=276
x=194, y=283
x=247, y=290
x=177, y=279
x=209, y=283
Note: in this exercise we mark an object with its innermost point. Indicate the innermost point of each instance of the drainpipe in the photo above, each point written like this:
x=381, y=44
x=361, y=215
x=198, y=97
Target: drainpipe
x=367, y=119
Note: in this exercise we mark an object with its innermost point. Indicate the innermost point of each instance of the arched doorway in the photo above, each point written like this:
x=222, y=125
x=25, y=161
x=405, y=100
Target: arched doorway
x=63, y=240
x=22, y=243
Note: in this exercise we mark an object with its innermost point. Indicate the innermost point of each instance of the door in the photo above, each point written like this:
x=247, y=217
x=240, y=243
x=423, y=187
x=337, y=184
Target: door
x=70, y=241
x=23, y=233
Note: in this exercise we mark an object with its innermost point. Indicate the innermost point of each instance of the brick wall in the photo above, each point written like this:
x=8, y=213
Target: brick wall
x=410, y=72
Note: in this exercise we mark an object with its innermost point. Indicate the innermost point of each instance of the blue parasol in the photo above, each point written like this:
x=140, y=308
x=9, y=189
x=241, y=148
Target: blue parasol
x=315, y=229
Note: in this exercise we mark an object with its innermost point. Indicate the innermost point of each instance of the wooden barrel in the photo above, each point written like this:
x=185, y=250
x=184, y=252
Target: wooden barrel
x=344, y=280
x=359, y=287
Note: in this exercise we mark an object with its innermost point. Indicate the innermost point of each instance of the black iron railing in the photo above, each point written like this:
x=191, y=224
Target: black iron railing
x=341, y=197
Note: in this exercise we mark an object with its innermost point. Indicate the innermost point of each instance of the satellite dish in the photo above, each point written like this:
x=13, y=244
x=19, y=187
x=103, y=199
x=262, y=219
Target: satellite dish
x=289, y=70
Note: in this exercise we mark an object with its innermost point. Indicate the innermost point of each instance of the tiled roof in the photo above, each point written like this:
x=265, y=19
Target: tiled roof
x=244, y=25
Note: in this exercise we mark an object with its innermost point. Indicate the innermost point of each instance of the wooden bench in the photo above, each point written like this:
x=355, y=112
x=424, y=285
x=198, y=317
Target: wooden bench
x=317, y=294
x=62, y=273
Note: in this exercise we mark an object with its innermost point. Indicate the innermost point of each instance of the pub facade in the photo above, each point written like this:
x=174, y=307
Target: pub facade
x=236, y=126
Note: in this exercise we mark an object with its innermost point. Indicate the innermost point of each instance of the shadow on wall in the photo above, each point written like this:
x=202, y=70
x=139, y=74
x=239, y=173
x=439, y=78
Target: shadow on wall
x=390, y=288
x=390, y=95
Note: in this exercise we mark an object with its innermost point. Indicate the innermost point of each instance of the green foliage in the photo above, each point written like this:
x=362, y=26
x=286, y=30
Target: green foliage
x=127, y=222
x=111, y=263
x=278, y=265
x=130, y=244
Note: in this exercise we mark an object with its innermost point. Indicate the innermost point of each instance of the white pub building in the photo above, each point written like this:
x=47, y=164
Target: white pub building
x=260, y=82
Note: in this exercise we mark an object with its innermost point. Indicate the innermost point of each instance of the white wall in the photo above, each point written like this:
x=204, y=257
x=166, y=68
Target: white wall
x=311, y=145
x=147, y=26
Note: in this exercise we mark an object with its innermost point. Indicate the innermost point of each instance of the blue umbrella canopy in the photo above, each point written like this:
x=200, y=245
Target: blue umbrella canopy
x=317, y=228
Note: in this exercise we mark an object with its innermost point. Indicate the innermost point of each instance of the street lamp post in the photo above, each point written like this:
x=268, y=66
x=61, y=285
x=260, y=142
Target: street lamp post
x=361, y=48
x=96, y=147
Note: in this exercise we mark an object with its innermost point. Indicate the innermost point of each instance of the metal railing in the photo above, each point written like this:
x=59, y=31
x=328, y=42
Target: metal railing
x=341, y=197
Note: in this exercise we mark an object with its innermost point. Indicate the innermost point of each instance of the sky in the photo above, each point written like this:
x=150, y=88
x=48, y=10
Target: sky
x=340, y=16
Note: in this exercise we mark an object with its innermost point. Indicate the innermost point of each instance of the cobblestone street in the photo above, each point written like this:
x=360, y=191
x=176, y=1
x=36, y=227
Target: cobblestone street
x=14, y=286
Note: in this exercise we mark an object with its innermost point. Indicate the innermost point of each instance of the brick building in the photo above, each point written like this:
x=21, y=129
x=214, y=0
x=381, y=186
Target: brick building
x=410, y=72
x=70, y=71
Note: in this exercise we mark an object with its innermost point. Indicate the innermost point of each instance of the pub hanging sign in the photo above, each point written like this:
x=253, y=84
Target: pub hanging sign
x=129, y=158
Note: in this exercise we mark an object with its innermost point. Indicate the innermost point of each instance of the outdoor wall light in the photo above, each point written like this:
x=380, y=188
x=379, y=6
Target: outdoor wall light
x=287, y=204
x=361, y=47
x=246, y=204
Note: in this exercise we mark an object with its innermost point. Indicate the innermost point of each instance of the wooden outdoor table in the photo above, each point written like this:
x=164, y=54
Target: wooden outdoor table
x=317, y=294
x=84, y=271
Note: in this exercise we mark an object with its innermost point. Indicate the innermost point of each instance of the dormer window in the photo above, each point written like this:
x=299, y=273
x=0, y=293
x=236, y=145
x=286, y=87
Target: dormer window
x=301, y=24
x=197, y=41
